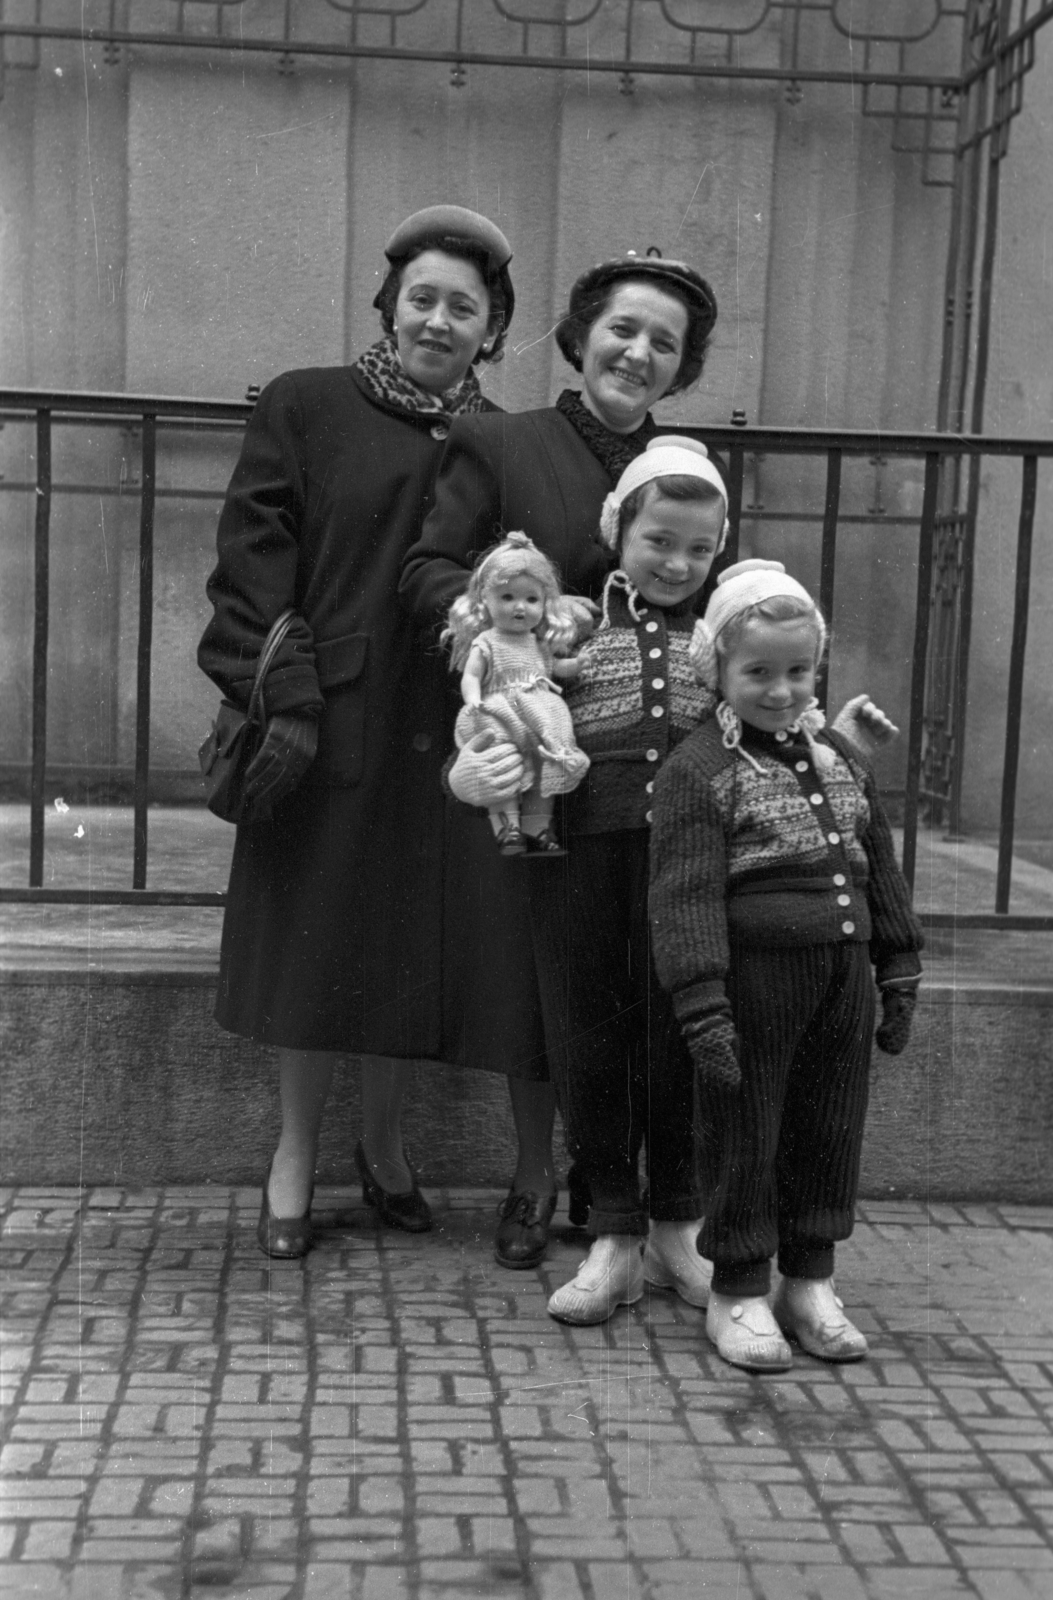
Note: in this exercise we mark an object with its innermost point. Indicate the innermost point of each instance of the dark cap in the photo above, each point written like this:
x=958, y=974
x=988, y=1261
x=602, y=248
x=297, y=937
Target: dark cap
x=664, y=273
x=437, y=222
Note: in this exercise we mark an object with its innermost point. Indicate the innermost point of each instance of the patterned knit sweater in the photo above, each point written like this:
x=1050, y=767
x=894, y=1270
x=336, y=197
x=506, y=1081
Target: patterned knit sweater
x=637, y=697
x=773, y=854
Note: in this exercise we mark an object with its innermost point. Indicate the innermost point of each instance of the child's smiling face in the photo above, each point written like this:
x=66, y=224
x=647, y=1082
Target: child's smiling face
x=769, y=676
x=668, y=548
x=517, y=605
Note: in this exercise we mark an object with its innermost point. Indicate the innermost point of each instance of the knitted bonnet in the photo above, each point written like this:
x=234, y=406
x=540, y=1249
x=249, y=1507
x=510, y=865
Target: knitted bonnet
x=668, y=455
x=745, y=584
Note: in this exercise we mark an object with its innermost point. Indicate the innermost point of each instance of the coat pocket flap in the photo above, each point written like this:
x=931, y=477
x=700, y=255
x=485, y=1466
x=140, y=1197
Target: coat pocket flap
x=340, y=661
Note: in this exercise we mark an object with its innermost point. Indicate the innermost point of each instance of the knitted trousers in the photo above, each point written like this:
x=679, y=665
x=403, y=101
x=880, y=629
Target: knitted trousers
x=622, y=1075
x=785, y=1151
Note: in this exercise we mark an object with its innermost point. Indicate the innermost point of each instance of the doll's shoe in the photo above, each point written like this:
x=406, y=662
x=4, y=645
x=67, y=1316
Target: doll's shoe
x=522, y=1233
x=671, y=1261
x=808, y=1311
x=511, y=841
x=545, y=843
x=408, y=1211
x=610, y=1276
x=283, y=1238
x=746, y=1333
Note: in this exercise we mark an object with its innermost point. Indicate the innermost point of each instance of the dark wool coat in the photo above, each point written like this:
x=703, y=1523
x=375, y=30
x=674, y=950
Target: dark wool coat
x=333, y=937
x=532, y=472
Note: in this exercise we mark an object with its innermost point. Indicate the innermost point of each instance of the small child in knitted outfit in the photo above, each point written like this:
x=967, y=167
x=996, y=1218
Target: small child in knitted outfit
x=775, y=895
x=623, y=1075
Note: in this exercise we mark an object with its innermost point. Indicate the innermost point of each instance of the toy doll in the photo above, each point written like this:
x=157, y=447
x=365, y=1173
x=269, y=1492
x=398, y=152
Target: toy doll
x=506, y=634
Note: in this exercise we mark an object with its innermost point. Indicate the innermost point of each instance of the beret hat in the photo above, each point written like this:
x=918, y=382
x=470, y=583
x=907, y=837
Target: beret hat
x=664, y=272
x=435, y=222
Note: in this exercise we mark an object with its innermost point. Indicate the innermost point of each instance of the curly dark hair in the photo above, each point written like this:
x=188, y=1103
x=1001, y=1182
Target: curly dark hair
x=594, y=290
x=497, y=281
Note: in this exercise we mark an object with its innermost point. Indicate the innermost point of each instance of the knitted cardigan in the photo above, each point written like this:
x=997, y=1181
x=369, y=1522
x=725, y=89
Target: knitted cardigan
x=773, y=854
x=637, y=697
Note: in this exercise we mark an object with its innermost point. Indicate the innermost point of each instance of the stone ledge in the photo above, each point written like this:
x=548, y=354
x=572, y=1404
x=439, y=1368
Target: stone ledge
x=119, y=1077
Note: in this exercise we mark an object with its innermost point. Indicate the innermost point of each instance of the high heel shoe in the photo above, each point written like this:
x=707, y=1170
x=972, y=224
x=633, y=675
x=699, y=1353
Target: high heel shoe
x=283, y=1238
x=409, y=1211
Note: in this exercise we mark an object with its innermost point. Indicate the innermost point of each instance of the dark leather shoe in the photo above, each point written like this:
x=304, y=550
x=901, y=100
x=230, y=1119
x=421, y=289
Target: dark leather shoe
x=510, y=841
x=407, y=1211
x=522, y=1233
x=545, y=843
x=283, y=1238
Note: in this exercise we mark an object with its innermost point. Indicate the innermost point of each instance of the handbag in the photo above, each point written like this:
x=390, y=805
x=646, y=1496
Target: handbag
x=235, y=738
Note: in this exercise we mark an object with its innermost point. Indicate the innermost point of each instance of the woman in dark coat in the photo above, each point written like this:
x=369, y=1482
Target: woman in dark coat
x=636, y=329
x=332, y=939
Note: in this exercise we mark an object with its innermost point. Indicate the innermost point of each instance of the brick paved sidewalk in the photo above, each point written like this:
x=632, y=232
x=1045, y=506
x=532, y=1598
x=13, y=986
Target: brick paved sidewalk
x=398, y=1419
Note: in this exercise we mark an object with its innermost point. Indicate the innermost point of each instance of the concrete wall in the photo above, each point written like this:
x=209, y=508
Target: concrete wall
x=125, y=1078
x=179, y=223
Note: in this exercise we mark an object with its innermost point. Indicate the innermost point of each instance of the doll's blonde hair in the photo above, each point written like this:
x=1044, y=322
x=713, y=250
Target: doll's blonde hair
x=516, y=556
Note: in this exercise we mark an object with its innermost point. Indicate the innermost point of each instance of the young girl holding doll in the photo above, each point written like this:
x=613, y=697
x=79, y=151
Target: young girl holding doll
x=622, y=1071
x=504, y=633
x=775, y=899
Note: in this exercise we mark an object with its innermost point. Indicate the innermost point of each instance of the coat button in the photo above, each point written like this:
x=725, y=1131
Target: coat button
x=848, y=927
x=655, y=654
x=782, y=737
x=652, y=755
x=658, y=711
x=441, y=430
x=816, y=799
x=839, y=878
x=651, y=627
x=657, y=683
x=800, y=766
x=649, y=788
x=834, y=838
x=648, y=815
x=844, y=899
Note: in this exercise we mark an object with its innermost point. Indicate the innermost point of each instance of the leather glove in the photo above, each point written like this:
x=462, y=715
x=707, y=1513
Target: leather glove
x=288, y=748
x=864, y=725
x=714, y=1049
x=487, y=772
x=897, y=1014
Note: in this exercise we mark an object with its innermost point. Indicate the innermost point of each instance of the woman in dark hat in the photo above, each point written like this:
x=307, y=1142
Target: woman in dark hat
x=332, y=939
x=636, y=329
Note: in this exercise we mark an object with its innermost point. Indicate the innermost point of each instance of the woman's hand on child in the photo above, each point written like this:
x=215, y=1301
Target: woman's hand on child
x=897, y=1014
x=864, y=724
x=714, y=1049
x=583, y=613
x=487, y=771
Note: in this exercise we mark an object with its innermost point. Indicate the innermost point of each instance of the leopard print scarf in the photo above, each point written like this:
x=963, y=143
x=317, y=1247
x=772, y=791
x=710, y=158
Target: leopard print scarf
x=387, y=381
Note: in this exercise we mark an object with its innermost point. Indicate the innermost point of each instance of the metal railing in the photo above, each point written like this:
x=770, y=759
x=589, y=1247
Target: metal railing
x=737, y=443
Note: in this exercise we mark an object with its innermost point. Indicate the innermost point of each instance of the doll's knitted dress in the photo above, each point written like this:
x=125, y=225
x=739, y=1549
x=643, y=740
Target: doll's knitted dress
x=522, y=704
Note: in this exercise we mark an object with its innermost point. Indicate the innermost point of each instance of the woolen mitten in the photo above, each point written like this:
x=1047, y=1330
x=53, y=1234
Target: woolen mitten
x=897, y=1014
x=868, y=733
x=472, y=777
x=289, y=746
x=714, y=1049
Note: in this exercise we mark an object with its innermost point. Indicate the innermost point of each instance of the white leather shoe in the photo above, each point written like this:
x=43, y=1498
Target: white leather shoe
x=610, y=1276
x=671, y=1261
x=746, y=1334
x=808, y=1310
